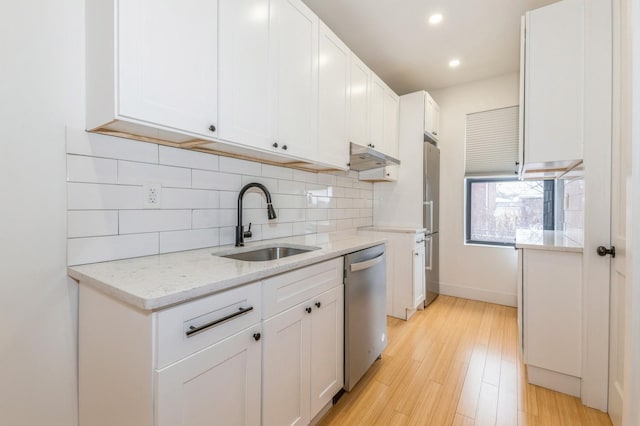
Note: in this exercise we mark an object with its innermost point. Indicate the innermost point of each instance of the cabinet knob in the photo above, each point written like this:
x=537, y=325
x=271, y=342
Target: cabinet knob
x=212, y=128
x=435, y=133
x=308, y=309
x=318, y=304
x=275, y=144
x=417, y=254
x=256, y=336
x=603, y=251
x=284, y=147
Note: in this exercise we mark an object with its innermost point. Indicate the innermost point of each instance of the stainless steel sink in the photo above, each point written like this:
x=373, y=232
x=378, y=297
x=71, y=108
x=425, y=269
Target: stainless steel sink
x=265, y=253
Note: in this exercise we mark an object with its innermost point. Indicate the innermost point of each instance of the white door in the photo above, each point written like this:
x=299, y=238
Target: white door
x=376, y=113
x=286, y=366
x=419, y=284
x=327, y=347
x=168, y=62
x=246, y=77
x=294, y=30
x=359, y=102
x=621, y=172
x=218, y=385
x=333, y=100
x=390, y=131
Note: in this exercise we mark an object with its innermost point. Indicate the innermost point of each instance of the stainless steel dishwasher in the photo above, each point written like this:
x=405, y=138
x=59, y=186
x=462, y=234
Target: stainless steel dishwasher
x=365, y=317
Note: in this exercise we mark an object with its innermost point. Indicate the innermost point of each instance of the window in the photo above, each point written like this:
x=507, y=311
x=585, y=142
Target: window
x=497, y=207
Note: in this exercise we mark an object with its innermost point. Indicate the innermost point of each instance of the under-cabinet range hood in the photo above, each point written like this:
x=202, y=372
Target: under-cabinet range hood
x=367, y=158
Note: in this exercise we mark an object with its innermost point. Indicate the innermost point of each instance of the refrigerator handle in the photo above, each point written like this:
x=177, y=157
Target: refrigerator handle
x=429, y=266
x=430, y=204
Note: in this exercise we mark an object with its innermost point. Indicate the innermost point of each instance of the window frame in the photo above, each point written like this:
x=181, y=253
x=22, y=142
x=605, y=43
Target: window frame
x=470, y=180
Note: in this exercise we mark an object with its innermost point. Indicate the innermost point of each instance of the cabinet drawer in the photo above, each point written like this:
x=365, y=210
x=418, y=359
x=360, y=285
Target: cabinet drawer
x=284, y=291
x=190, y=327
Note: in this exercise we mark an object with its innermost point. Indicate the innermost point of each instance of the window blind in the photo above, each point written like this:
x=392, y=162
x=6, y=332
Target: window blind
x=492, y=142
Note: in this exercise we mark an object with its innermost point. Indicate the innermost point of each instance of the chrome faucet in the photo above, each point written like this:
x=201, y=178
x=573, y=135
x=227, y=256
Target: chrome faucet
x=271, y=213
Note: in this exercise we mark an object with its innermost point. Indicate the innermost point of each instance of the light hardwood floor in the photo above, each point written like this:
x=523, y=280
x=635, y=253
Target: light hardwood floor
x=455, y=363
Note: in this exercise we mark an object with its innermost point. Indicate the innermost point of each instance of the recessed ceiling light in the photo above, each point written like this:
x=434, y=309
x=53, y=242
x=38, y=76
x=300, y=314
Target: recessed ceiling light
x=435, y=19
x=454, y=63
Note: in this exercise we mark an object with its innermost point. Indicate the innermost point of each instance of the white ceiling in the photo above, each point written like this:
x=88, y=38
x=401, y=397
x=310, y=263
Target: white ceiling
x=395, y=40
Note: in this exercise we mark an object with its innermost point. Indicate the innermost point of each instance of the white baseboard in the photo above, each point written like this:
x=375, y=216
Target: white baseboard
x=553, y=380
x=479, y=294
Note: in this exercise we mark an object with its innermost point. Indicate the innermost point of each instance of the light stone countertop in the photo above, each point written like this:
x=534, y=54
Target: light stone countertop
x=546, y=240
x=395, y=229
x=156, y=282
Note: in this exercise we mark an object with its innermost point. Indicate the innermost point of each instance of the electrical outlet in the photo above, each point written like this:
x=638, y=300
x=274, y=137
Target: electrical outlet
x=151, y=193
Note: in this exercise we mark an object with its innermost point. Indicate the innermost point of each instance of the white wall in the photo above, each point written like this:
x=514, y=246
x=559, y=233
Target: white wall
x=42, y=92
x=476, y=272
x=198, y=200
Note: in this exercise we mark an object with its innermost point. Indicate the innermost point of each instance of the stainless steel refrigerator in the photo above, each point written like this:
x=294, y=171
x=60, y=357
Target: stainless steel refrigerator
x=431, y=198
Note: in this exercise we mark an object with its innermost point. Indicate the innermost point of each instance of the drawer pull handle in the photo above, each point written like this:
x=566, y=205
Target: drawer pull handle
x=195, y=330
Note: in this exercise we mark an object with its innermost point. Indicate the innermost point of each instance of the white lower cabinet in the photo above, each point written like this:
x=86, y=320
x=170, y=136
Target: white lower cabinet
x=419, y=284
x=406, y=256
x=303, y=346
x=268, y=352
x=552, y=318
x=219, y=384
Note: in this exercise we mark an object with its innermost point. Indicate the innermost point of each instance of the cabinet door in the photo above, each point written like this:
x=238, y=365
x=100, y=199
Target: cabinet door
x=295, y=52
x=333, y=100
x=247, y=85
x=287, y=363
x=391, y=111
x=168, y=62
x=554, y=82
x=218, y=385
x=418, y=274
x=327, y=347
x=376, y=108
x=359, y=102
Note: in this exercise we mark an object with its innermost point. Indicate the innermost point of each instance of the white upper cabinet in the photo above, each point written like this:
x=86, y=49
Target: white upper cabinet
x=431, y=118
x=247, y=80
x=359, y=102
x=333, y=99
x=153, y=64
x=295, y=40
x=376, y=114
x=390, y=124
x=554, y=85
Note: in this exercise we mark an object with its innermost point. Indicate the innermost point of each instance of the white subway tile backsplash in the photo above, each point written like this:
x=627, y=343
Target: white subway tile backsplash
x=100, y=249
x=90, y=196
x=344, y=182
x=302, y=176
x=108, y=220
x=276, y=230
x=345, y=203
x=205, y=219
x=96, y=145
x=178, y=198
x=277, y=172
x=291, y=215
x=189, y=159
x=291, y=187
x=131, y=173
x=241, y=167
x=284, y=201
x=227, y=217
x=92, y=223
x=271, y=184
x=140, y=221
x=317, y=214
x=91, y=169
x=215, y=180
x=325, y=179
x=188, y=240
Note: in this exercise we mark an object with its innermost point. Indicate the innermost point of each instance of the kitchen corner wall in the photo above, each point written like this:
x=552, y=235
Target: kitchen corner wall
x=573, y=207
x=198, y=201
x=475, y=272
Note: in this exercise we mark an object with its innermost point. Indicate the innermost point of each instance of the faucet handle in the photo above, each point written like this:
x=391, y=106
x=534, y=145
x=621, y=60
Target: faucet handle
x=247, y=233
